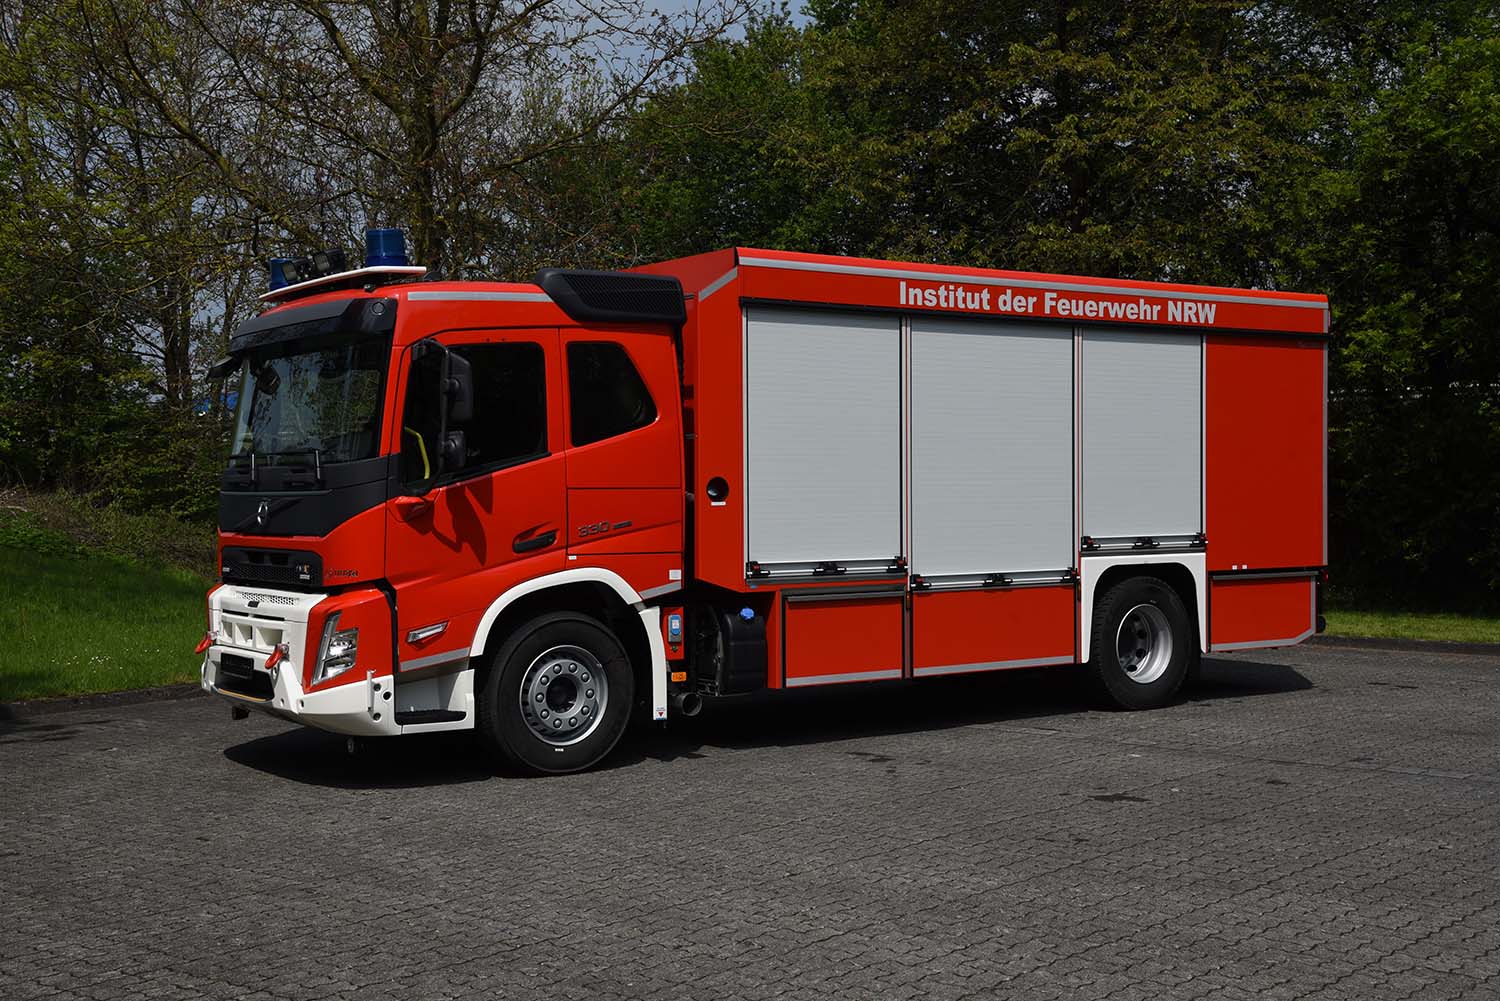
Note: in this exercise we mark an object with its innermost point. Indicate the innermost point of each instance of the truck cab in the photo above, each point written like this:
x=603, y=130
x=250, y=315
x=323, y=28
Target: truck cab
x=418, y=468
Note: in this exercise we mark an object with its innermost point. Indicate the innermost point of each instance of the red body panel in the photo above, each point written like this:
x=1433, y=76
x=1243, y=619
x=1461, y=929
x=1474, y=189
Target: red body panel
x=779, y=275
x=365, y=610
x=832, y=639
x=955, y=631
x=716, y=367
x=1261, y=612
x=1264, y=454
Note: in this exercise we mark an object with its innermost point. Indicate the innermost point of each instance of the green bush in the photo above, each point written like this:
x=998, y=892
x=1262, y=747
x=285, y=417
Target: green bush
x=65, y=524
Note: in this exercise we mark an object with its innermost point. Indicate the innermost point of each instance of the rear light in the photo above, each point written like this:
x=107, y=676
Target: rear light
x=337, y=651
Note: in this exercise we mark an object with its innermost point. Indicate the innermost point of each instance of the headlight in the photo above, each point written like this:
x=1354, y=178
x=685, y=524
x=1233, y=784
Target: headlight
x=336, y=652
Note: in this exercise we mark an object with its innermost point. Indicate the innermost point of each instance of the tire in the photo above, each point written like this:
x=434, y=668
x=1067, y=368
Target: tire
x=559, y=659
x=1142, y=644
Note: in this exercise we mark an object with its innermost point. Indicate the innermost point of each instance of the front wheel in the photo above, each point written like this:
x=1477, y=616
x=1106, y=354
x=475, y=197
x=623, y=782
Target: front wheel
x=1142, y=644
x=557, y=696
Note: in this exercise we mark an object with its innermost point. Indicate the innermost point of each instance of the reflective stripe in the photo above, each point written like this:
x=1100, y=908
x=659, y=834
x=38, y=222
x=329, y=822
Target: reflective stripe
x=481, y=296
x=437, y=658
x=719, y=283
x=993, y=665
x=825, y=679
x=1154, y=293
x=652, y=592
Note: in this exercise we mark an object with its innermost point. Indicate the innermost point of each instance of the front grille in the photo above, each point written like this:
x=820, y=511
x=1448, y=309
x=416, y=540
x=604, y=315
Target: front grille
x=238, y=675
x=271, y=566
x=265, y=598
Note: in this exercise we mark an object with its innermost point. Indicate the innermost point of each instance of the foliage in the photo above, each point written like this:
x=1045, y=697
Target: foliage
x=152, y=154
x=64, y=523
x=1348, y=150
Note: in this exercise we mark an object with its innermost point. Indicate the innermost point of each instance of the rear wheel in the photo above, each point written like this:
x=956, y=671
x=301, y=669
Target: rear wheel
x=557, y=696
x=1141, y=647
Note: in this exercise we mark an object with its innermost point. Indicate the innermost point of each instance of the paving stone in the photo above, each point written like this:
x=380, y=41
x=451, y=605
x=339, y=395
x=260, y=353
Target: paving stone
x=1319, y=823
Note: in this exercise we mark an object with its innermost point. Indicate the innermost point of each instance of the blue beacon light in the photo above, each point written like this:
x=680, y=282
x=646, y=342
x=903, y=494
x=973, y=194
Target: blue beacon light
x=278, y=278
x=384, y=247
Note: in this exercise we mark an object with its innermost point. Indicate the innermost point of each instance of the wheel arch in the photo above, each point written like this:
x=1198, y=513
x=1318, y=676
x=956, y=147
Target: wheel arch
x=594, y=591
x=1185, y=573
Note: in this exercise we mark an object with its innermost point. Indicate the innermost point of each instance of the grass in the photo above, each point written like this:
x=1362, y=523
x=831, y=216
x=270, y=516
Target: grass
x=1414, y=626
x=78, y=620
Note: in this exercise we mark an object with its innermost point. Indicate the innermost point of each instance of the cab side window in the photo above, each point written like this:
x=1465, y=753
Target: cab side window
x=509, y=424
x=606, y=393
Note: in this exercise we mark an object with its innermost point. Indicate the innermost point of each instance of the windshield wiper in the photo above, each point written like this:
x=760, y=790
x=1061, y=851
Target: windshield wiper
x=292, y=482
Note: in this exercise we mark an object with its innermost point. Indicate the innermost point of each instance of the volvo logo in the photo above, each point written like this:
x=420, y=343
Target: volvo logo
x=262, y=513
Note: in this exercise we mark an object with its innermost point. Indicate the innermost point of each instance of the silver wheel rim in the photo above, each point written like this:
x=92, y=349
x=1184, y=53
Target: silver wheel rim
x=1143, y=644
x=563, y=695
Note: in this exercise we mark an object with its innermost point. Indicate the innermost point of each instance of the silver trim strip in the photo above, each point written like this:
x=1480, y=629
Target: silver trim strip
x=976, y=581
x=437, y=658
x=855, y=269
x=827, y=679
x=481, y=296
x=427, y=632
x=652, y=592
x=719, y=283
x=1261, y=644
x=1230, y=576
x=993, y=665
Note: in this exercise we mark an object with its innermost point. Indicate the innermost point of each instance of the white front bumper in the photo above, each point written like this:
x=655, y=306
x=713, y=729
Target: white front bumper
x=250, y=622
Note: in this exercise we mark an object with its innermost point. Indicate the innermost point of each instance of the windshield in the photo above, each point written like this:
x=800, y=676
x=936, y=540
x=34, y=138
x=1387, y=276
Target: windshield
x=300, y=397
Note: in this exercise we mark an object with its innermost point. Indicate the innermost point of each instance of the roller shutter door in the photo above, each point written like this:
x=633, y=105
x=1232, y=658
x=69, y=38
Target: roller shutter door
x=1142, y=434
x=992, y=448
x=823, y=437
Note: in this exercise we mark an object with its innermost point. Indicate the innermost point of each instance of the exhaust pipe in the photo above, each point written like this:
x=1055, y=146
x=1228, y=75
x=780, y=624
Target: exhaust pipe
x=688, y=703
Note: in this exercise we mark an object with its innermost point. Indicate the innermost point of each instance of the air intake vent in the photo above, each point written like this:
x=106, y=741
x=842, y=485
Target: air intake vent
x=615, y=296
x=271, y=566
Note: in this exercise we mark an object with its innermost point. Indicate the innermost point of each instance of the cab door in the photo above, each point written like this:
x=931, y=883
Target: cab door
x=496, y=514
x=625, y=500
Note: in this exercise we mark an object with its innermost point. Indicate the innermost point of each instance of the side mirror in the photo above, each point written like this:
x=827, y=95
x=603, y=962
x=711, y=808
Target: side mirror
x=458, y=389
x=444, y=382
x=454, y=450
x=224, y=367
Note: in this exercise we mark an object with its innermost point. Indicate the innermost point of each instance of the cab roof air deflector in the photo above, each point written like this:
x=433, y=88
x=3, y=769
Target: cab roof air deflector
x=615, y=296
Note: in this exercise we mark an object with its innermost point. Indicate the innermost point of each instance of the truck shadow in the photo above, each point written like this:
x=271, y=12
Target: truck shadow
x=770, y=719
x=847, y=712
x=314, y=757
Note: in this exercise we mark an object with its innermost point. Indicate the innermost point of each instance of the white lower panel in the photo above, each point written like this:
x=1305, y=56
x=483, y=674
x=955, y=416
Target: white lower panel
x=1094, y=567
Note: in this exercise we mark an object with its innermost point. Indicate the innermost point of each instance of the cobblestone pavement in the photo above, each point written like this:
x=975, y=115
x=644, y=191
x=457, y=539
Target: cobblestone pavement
x=1318, y=823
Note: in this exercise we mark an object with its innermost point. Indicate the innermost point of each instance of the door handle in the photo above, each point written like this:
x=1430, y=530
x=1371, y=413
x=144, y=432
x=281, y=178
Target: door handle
x=411, y=508
x=522, y=544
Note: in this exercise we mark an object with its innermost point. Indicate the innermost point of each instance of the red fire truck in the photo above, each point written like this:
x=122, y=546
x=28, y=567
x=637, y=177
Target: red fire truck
x=537, y=510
